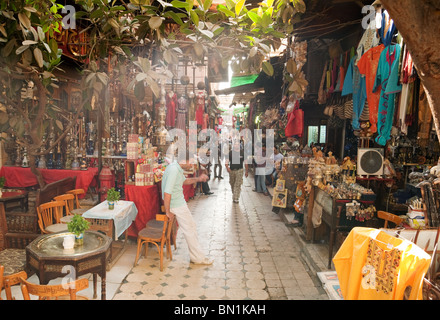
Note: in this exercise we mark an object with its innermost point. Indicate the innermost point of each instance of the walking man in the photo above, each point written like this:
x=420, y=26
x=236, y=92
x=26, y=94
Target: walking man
x=175, y=204
x=234, y=165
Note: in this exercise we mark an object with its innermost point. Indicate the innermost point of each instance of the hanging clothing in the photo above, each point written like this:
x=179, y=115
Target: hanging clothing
x=322, y=97
x=368, y=67
x=369, y=40
x=373, y=265
x=387, y=30
x=200, y=107
x=354, y=84
x=424, y=117
x=403, y=106
x=343, y=69
x=171, y=104
x=387, y=64
x=182, y=107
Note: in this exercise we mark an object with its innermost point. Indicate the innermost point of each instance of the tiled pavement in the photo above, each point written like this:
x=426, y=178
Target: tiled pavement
x=256, y=257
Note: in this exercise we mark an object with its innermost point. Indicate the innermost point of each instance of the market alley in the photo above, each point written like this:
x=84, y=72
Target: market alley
x=255, y=255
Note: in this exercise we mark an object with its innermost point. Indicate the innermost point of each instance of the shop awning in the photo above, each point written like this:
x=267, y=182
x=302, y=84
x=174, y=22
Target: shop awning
x=242, y=80
x=251, y=87
x=241, y=109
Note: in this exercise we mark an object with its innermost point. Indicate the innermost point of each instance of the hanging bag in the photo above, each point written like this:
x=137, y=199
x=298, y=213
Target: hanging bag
x=295, y=123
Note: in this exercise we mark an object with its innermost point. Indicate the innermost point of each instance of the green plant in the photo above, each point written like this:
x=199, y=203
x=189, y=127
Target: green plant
x=78, y=225
x=2, y=182
x=113, y=195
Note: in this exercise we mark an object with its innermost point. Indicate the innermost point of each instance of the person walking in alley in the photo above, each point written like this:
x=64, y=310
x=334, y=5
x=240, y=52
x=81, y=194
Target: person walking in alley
x=234, y=165
x=175, y=204
x=218, y=160
x=260, y=169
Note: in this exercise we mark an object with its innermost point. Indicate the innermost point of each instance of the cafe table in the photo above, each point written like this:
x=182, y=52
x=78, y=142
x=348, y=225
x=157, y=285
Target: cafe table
x=15, y=195
x=48, y=258
x=113, y=223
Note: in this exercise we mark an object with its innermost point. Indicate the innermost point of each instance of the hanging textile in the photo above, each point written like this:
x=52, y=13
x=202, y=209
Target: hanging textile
x=368, y=67
x=387, y=30
x=171, y=104
x=387, y=64
x=200, y=107
x=182, y=107
x=295, y=122
x=369, y=40
x=373, y=265
x=354, y=84
x=322, y=97
x=424, y=118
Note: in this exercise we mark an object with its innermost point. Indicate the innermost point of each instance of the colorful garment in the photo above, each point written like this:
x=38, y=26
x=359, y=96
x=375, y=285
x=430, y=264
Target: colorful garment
x=354, y=84
x=368, y=67
x=387, y=30
x=182, y=107
x=369, y=40
x=200, y=108
x=387, y=64
x=171, y=104
x=373, y=265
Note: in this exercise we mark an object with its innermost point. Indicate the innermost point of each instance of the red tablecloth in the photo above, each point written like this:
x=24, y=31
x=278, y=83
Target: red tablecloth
x=188, y=191
x=18, y=177
x=147, y=200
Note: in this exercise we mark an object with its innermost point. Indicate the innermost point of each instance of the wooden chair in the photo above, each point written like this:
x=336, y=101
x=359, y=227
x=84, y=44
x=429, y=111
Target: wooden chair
x=77, y=208
x=159, y=224
x=68, y=200
x=389, y=217
x=160, y=237
x=60, y=291
x=7, y=281
x=49, y=215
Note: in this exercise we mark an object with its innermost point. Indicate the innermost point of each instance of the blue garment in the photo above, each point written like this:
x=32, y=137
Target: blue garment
x=388, y=36
x=387, y=64
x=355, y=84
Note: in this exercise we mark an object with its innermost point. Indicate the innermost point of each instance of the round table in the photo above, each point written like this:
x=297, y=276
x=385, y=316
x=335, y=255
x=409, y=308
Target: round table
x=48, y=258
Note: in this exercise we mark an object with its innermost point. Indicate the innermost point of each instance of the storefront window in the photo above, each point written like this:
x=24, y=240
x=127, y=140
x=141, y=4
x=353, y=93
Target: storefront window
x=316, y=134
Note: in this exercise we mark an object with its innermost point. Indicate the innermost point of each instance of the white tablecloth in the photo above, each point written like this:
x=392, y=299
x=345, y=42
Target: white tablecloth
x=123, y=214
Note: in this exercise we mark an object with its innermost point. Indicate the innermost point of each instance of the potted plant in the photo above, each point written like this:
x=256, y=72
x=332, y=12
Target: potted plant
x=112, y=197
x=77, y=226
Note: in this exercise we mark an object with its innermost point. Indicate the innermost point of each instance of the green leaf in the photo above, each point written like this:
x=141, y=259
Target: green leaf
x=174, y=16
x=225, y=10
x=218, y=31
x=194, y=18
x=268, y=68
x=239, y=7
x=254, y=17
x=180, y=4
x=206, y=5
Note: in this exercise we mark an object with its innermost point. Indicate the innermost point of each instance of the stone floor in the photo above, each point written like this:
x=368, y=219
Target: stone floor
x=256, y=257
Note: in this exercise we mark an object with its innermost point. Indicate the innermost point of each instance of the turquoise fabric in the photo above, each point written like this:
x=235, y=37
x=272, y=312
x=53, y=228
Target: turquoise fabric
x=355, y=84
x=387, y=64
